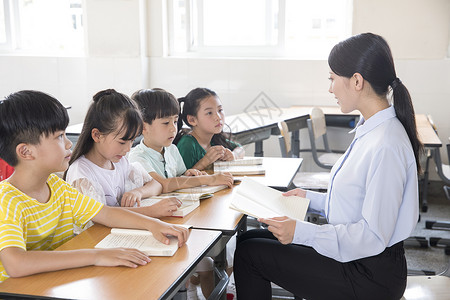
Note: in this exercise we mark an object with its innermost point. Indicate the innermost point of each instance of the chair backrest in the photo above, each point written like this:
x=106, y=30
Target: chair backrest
x=284, y=139
x=317, y=128
x=319, y=125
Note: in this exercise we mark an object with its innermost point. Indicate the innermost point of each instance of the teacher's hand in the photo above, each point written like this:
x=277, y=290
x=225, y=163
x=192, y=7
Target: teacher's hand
x=283, y=228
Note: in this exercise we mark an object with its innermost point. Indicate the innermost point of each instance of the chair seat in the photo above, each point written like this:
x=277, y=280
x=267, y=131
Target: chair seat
x=329, y=158
x=446, y=170
x=312, y=180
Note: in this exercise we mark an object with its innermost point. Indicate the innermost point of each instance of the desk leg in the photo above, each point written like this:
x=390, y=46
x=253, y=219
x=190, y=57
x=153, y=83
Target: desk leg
x=425, y=182
x=259, y=149
x=220, y=276
x=295, y=145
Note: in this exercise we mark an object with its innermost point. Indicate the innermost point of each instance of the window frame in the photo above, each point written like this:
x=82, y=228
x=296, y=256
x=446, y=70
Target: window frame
x=200, y=50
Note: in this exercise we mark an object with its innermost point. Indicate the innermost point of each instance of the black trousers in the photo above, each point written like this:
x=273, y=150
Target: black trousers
x=260, y=259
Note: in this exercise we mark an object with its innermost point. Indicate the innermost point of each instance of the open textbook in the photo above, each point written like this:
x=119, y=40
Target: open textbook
x=259, y=201
x=142, y=240
x=240, y=167
x=189, y=202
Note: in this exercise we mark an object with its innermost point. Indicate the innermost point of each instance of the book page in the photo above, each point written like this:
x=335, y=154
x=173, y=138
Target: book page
x=138, y=239
x=272, y=200
x=249, y=207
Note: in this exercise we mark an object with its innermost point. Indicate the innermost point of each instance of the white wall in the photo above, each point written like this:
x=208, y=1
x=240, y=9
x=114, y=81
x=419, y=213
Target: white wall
x=119, y=57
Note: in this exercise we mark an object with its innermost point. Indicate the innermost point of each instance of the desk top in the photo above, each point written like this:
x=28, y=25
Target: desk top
x=152, y=281
x=214, y=213
x=427, y=135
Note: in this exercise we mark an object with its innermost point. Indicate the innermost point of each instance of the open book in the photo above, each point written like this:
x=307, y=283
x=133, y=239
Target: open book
x=246, y=161
x=259, y=201
x=189, y=202
x=142, y=240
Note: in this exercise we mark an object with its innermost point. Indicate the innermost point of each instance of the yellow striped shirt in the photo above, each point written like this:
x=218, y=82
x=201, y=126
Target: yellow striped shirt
x=31, y=225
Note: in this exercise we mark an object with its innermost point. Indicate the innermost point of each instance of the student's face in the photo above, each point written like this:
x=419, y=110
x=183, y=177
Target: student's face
x=210, y=116
x=112, y=147
x=340, y=87
x=53, y=152
x=160, y=133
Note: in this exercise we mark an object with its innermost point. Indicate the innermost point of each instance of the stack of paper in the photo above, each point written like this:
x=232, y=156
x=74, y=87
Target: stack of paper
x=240, y=167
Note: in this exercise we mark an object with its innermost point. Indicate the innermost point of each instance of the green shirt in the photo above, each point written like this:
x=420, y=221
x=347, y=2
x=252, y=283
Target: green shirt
x=192, y=152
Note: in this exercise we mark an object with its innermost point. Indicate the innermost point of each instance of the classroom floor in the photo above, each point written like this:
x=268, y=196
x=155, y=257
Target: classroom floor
x=432, y=258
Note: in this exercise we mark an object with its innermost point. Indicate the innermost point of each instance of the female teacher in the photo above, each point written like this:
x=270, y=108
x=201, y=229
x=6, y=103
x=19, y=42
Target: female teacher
x=372, y=199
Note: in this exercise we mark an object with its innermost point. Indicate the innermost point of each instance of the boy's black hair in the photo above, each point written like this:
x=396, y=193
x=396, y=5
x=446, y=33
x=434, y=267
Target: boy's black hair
x=24, y=117
x=155, y=104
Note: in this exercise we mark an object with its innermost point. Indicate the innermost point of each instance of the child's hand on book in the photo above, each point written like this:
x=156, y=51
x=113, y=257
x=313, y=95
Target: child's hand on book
x=194, y=172
x=214, y=153
x=120, y=257
x=283, y=228
x=162, y=230
x=228, y=155
x=224, y=178
x=129, y=199
x=165, y=207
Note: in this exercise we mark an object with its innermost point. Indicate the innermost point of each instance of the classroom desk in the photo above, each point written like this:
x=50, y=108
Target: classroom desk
x=430, y=140
x=214, y=213
x=257, y=126
x=160, y=279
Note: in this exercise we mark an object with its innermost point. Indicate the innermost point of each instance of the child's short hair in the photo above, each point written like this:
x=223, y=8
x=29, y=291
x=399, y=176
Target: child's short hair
x=24, y=117
x=155, y=104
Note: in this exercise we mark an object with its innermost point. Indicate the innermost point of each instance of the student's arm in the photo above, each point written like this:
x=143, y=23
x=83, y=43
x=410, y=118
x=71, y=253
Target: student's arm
x=213, y=154
x=175, y=183
x=19, y=262
x=150, y=188
x=117, y=217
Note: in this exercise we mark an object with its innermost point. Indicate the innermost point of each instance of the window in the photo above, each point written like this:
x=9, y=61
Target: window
x=289, y=28
x=50, y=27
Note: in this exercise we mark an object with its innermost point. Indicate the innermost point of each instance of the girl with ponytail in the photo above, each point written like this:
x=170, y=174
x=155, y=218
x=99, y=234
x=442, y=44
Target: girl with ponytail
x=372, y=201
x=205, y=142
x=99, y=167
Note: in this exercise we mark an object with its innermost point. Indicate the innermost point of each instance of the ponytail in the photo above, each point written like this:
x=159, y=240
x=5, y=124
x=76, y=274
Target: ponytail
x=405, y=113
x=369, y=54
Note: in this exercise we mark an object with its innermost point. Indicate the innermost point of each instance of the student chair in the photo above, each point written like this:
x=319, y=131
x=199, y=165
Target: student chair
x=317, y=128
x=304, y=180
x=443, y=171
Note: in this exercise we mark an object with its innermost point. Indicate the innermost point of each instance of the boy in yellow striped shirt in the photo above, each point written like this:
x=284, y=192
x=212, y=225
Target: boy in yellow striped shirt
x=38, y=209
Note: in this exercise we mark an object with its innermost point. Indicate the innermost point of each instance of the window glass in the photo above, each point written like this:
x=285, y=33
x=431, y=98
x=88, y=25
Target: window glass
x=289, y=28
x=45, y=27
x=239, y=22
x=51, y=24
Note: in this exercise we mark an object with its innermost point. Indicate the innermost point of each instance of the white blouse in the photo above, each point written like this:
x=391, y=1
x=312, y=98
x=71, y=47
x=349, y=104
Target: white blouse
x=372, y=200
x=106, y=186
